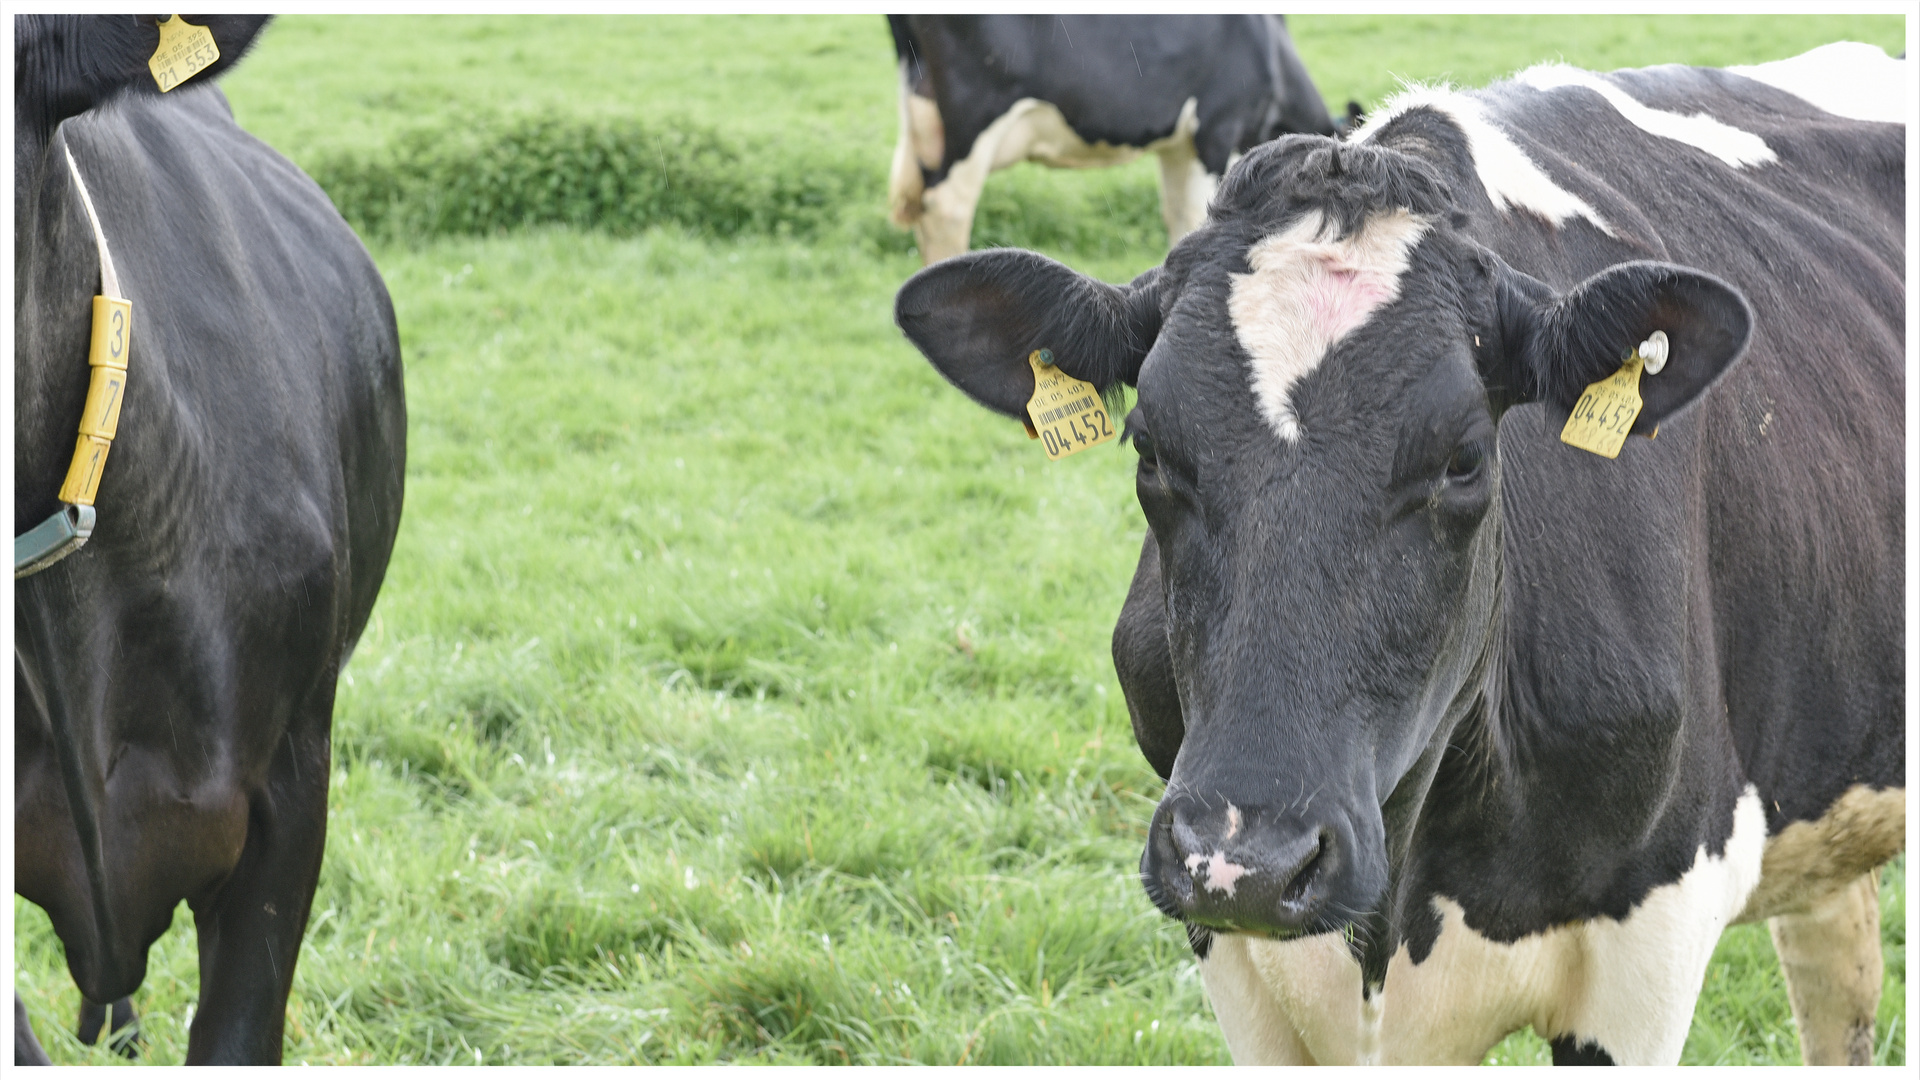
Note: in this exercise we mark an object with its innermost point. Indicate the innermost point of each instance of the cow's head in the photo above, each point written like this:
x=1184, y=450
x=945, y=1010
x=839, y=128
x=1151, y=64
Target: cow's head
x=64, y=65
x=1321, y=373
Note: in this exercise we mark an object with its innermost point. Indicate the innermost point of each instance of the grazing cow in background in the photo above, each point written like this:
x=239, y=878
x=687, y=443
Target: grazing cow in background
x=981, y=92
x=1465, y=728
x=174, y=678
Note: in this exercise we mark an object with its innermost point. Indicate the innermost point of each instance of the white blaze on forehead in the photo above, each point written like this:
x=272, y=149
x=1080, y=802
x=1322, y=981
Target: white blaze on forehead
x=1306, y=292
x=1730, y=144
x=1846, y=78
x=1511, y=178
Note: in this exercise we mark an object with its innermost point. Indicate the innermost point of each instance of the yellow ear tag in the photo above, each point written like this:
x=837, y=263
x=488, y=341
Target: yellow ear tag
x=185, y=51
x=1605, y=411
x=1067, y=412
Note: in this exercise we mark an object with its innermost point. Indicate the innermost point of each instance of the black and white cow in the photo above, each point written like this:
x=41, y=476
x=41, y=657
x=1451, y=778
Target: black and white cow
x=981, y=92
x=174, y=678
x=1466, y=729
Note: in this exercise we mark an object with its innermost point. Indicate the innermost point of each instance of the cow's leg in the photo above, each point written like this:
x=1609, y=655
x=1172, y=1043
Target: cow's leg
x=920, y=146
x=945, y=228
x=250, y=929
x=1830, y=955
x=26, y=1048
x=122, y=1035
x=1252, y=1017
x=1185, y=189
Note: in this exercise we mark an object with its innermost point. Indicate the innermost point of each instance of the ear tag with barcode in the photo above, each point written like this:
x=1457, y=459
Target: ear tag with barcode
x=1066, y=413
x=1606, y=410
x=185, y=51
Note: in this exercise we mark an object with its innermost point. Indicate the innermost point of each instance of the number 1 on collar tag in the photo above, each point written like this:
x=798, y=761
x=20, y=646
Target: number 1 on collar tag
x=185, y=51
x=1066, y=413
x=1605, y=412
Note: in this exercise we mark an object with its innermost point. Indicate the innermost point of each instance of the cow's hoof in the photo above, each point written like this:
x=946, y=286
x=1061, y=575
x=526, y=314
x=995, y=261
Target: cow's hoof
x=123, y=1037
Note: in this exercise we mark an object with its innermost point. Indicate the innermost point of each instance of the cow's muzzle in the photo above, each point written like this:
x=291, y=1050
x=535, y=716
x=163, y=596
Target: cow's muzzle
x=1250, y=869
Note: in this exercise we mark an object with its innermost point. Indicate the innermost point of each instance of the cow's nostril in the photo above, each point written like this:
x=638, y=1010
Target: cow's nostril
x=1304, y=875
x=1187, y=842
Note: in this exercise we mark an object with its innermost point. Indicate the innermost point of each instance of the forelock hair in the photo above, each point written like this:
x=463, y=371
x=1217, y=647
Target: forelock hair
x=1279, y=181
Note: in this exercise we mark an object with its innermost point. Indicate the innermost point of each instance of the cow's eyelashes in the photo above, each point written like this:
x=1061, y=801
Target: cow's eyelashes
x=1467, y=461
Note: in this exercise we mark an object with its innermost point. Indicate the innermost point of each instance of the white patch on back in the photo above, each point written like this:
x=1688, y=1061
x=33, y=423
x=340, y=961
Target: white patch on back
x=1730, y=144
x=1846, y=78
x=1306, y=292
x=1628, y=984
x=1511, y=178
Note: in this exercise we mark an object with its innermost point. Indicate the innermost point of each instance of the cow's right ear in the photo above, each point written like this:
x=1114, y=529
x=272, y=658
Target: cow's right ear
x=977, y=317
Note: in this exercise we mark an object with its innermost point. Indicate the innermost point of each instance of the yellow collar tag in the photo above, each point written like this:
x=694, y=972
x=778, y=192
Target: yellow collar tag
x=1605, y=412
x=106, y=389
x=185, y=51
x=1067, y=414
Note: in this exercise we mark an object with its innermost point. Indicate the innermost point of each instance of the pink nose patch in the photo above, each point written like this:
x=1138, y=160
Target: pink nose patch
x=1220, y=874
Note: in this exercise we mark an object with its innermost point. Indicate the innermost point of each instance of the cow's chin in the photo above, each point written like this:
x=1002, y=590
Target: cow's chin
x=1271, y=875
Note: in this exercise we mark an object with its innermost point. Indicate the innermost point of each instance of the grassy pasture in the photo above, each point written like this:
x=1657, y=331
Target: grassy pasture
x=739, y=692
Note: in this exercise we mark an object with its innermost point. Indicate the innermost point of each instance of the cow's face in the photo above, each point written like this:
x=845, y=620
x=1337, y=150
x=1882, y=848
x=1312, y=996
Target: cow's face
x=1321, y=373
x=1317, y=462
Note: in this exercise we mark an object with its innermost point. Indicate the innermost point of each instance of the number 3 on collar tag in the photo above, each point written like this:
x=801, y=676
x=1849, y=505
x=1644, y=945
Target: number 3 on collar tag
x=1066, y=413
x=185, y=51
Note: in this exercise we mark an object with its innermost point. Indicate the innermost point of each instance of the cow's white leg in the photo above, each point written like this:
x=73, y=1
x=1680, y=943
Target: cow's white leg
x=1253, y=1019
x=1185, y=189
x=1830, y=955
x=922, y=142
x=946, y=222
x=1185, y=185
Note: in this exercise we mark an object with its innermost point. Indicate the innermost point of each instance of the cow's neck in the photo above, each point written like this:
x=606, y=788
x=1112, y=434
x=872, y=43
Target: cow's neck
x=56, y=272
x=1529, y=819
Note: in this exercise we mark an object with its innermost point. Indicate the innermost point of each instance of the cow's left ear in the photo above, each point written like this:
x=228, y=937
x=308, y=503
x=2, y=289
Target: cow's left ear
x=977, y=316
x=1551, y=346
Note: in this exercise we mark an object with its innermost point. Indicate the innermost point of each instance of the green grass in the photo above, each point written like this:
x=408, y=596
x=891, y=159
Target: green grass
x=739, y=692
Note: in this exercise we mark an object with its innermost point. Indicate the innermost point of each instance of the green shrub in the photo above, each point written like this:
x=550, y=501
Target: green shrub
x=488, y=174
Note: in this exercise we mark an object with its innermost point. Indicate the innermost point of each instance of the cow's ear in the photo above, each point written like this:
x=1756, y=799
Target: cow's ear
x=67, y=64
x=1553, y=345
x=978, y=316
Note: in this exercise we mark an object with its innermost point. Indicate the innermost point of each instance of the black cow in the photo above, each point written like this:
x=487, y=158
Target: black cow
x=1464, y=728
x=174, y=678
x=981, y=92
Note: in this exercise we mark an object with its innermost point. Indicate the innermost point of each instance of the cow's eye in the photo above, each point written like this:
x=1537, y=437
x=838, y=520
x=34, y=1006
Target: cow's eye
x=1465, y=463
x=1143, y=445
